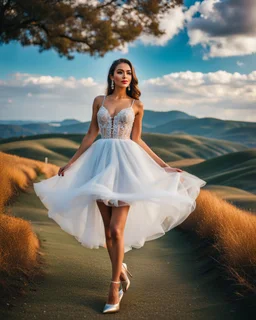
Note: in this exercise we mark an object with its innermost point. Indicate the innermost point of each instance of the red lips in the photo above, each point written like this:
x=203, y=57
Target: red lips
x=124, y=81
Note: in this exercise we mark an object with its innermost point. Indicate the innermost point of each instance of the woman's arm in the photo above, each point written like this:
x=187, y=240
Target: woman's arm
x=91, y=133
x=136, y=134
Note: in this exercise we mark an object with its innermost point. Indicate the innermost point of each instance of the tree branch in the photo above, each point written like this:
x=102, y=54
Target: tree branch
x=73, y=39
x=105, y=4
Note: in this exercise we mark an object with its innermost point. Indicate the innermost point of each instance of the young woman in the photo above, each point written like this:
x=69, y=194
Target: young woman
x=116, y=192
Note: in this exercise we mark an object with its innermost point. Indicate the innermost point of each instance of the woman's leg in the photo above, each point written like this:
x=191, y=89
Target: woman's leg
x=106, y=213
x=106, y=217
x=117, y=225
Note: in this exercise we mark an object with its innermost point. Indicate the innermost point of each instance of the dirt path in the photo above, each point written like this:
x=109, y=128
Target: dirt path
x=167, y=282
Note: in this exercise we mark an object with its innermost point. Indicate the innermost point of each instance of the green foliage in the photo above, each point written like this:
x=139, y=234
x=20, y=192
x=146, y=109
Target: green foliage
x=69, y=26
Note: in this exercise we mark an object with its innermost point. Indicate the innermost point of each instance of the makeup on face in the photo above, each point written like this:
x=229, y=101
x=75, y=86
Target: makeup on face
x=125, y=75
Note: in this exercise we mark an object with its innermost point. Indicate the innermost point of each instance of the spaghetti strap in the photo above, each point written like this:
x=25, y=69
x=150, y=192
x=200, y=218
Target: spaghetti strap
x=132, y=103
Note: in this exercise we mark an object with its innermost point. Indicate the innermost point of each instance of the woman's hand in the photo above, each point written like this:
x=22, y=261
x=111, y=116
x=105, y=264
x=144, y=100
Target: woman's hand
x=63, y=169
x=170, y=169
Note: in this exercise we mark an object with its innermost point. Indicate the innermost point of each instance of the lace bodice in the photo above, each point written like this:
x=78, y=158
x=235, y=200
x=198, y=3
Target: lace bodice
x=119, y=126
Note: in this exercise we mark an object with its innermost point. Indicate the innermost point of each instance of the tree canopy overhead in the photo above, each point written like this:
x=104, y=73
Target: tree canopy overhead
x=95, y=27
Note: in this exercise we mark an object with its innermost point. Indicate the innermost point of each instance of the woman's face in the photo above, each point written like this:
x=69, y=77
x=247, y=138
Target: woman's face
x=122, y=75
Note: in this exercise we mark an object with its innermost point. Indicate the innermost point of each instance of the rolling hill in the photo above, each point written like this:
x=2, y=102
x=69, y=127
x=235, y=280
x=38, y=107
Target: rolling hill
x=174, y=122
x=235, y=169
x=60, y=147
x=237, y=131
x=229, y=168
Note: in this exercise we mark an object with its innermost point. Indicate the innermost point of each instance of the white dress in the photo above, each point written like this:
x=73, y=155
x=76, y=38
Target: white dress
x=118, y=171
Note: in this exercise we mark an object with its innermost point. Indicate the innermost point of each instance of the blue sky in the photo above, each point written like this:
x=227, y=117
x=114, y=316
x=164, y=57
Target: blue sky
x=181, y=59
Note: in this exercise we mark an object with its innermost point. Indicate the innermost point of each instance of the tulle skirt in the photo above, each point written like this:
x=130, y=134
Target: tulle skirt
x=118, y=172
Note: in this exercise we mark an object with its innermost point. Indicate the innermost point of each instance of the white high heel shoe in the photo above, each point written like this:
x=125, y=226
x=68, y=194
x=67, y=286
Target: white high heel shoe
x=111, y=308
x=126, y=283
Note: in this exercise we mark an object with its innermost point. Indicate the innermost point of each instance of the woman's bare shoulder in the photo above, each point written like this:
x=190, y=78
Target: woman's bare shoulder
x=97, y=102
x=99, y=97
x=138, y=103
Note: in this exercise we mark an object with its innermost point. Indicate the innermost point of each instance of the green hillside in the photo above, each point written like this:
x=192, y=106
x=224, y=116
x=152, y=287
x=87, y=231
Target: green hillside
x=237, y=131
x=60, y=147
x=235, y=169
x=229, y=168
x=177, y=147
x=58, y=150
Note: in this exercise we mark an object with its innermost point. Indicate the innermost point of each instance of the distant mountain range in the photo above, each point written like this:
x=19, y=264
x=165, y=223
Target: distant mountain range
x=169, y=122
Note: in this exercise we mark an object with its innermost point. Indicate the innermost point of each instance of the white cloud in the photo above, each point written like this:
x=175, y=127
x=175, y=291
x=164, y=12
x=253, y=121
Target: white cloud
x=224, y=28
x=51, y=82
x=172, y=22
x=60, y=97
x=217, y=94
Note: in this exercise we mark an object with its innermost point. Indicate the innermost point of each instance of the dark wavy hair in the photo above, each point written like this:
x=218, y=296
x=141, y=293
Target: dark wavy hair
x=134, y=91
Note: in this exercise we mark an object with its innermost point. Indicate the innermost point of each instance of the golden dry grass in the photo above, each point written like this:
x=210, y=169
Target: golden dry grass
x=232, y=232
x=17, y=173
x=18, y=243
x=19, y=257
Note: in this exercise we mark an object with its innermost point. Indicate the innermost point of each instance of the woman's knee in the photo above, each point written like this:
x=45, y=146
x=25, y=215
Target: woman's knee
x=108, y=234
x=116, y=232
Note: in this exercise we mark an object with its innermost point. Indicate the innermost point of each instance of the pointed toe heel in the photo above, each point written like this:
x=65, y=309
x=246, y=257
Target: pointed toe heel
x=111, y=308
x=126, y=268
